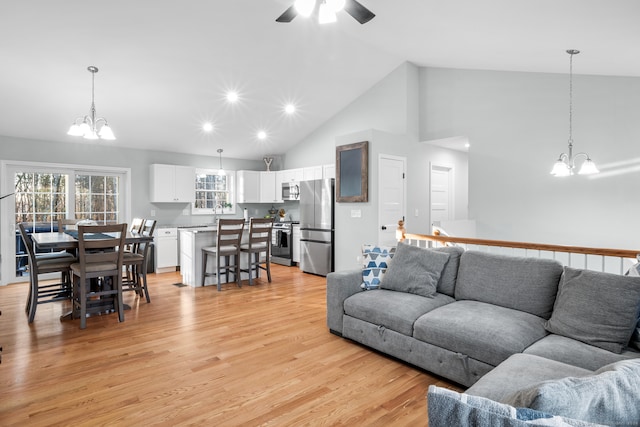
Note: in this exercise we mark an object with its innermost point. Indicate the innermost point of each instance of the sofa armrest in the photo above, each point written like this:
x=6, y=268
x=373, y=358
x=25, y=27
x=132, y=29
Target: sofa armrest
x=340, y=286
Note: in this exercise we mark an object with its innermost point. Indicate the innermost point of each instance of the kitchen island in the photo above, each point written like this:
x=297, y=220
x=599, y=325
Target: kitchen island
x=192, y=240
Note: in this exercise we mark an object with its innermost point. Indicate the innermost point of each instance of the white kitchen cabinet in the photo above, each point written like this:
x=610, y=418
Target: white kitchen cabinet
x=328, y=171
x=248, y=186
x=311, y=173
x=292, y=175
x=166, y=249
x=268, y=191
x=172, y=184
x=295, y=242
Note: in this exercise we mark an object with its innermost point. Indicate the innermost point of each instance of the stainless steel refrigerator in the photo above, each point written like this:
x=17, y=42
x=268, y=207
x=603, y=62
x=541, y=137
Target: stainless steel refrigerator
x=316, y=226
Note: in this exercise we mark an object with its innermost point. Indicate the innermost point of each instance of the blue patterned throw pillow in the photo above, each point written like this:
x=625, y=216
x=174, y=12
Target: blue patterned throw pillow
x=375, y=261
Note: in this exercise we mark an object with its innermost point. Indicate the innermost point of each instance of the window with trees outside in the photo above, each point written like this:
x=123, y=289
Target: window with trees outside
x=214, y=193
x=41, y=198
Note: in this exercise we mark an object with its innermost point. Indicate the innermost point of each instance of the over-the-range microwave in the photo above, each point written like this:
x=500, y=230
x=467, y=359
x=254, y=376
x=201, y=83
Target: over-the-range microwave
x=290, y=191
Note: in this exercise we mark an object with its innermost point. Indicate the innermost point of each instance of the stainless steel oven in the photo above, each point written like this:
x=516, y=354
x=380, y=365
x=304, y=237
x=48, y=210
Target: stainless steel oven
x=282, y=243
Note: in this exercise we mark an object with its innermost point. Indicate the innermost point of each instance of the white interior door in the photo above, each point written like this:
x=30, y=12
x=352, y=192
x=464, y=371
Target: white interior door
x=391, y=197
x=441, y=193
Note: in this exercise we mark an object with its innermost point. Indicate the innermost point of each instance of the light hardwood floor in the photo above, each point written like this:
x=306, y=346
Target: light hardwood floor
x=250, y=356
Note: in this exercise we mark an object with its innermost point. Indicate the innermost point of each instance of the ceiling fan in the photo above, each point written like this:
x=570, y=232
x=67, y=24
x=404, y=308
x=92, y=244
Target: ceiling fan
x=326, y=10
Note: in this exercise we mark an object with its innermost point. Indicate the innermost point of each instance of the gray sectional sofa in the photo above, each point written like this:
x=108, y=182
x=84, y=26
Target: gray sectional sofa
x=495, y=323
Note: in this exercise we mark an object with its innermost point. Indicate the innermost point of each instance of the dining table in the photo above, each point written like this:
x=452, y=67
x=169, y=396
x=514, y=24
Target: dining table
x=68, y=241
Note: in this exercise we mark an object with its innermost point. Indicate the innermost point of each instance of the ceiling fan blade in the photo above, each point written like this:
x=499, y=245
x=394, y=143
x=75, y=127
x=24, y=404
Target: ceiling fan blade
x=288, y=15
x=358, y=11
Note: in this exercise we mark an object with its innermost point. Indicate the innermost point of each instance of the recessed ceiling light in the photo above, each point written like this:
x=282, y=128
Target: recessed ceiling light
x=290, y=108
x=207, y=127
x=232, y=96
x=262, y=135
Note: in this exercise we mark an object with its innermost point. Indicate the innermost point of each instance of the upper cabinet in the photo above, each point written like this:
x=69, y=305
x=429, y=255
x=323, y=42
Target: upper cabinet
x=292, y=175
x=248, y=186
x=266, y=187
x=329, y=171
x=269, y=193
x=172, y=184
x=311, y=173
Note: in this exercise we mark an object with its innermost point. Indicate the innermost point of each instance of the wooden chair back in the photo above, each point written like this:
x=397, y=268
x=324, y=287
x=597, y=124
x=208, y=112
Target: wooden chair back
x=65, y=224
x=100, y=247
x=136, y=225
x=260, y=230
x=229, y=236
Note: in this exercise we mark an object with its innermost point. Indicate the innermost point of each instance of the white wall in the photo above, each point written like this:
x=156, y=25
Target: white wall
x=386, y=116
x=83, y=153
x=518, y=125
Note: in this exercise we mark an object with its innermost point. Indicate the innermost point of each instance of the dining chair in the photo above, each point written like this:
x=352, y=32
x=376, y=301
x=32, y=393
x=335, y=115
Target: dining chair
x=41, y=264
x=227, y=247
x=136, y=225
x=65, y=224
x=135, y=262
x=100, y=252
x=258, y=248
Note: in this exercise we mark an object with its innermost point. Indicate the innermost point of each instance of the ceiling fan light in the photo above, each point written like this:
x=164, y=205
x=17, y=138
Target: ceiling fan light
x=305, y=7
x=106, y=133
x=560, y=168
x=588, y=168
x=326, y=15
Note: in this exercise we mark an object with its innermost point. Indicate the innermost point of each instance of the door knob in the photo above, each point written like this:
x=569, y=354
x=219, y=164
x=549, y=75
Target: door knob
x=384, y=227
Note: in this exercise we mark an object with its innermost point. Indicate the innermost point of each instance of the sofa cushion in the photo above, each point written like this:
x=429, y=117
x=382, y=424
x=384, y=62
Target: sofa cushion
x=415, y=270
x=597, y=308
x=525, y=284
x=449, y=276
x=485, y=332
x=520, y=371
x=577, y=353
x=610, y=396
x=446, y=408
x=375, y=261
x=394, y=310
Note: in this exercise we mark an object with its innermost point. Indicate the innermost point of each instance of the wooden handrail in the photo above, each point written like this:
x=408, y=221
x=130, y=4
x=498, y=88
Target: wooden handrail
x=620, y=253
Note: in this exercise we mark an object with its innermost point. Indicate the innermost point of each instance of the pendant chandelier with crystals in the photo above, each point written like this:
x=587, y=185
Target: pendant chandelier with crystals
x=566, y=163
x=90, y=126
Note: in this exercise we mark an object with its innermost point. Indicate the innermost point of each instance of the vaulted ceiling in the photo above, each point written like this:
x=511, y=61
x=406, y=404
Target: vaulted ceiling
x=165, y=66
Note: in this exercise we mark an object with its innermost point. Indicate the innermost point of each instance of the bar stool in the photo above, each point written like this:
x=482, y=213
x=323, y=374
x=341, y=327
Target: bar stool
x=135, y=262
x=259, y=242
x=227, y=247
x=46, y=263
x=100, y=252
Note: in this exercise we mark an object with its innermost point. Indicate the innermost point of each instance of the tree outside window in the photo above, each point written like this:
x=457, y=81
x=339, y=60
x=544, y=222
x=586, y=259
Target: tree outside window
x=214, y=193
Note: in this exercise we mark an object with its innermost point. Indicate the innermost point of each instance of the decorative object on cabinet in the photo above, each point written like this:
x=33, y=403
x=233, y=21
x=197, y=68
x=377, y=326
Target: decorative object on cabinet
x=352, y=172
x=87, y=126
x=267, y=161
x=566, y=163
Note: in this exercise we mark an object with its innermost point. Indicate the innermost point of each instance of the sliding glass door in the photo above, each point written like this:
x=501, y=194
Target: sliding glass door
x=46, y=193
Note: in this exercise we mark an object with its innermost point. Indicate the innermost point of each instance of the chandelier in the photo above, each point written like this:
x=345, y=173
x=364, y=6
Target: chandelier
x=566, y=163
x=90, y=126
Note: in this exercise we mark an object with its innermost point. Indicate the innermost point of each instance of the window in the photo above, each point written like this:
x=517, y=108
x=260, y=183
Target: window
x=214, y=193
x=46, y=192
x=97, y=198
